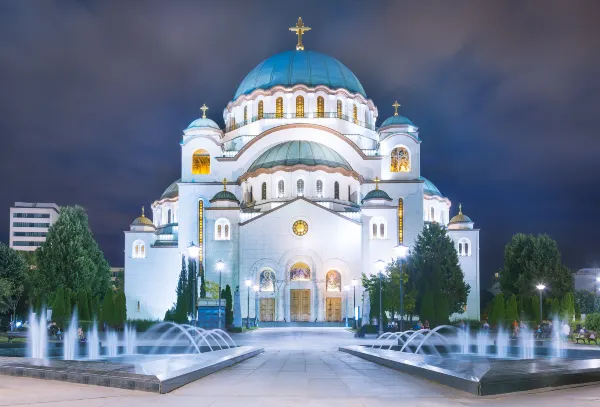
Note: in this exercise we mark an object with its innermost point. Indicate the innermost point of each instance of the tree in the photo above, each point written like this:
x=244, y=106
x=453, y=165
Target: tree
x=13, y=271
x=107, y=309
x=592, y=322
x=82, y=306
x=554, y=308
x=192, y=288
x=120, y=309
x=441, y=309
x=70, y=257
x=567, y=307
x=511, y=312
x=182, y=304
x=530, y=260
x=427, y=311
x=434, y=266
x=228, y=306
x=587, y=301
x=58, y=307
x=577, y=312
x=535, y=308
x=95, y=310
x=203, y=281
x=497, y=316
x=212, y=290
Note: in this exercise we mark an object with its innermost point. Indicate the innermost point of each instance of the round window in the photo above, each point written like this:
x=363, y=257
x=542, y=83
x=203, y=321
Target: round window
x=300, y=228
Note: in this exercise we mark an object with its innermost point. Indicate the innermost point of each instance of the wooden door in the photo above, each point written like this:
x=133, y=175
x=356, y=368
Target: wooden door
x=300, y=305
x=267, y=309
x=334, y=309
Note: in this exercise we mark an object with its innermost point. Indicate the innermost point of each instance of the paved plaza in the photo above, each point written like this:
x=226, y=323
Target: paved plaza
x=300, y=367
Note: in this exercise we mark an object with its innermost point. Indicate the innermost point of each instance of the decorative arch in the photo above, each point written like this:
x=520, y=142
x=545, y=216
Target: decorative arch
x=378, y=228
x=280, y=188
x=201, y=162
x=222, y=229
x=267, y=280
x=333, y=281
x=400, y=159
x=319, y=188
x=300, y=271
x=464, y=247
x=138, y=250
x=300, y=187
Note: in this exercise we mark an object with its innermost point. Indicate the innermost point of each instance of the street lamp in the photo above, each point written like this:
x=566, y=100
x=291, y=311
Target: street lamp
x=354, y=284
x=249, y=285
x=401, y=252
x=194, y=252
x=540, y=287
x=256, y=288
x=346, y=289
x=379, y=266
x=220, y=266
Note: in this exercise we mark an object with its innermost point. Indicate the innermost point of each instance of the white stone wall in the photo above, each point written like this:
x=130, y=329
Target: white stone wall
x=470, y=267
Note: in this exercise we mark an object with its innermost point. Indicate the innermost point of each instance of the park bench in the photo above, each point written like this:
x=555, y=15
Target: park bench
x=15, y=334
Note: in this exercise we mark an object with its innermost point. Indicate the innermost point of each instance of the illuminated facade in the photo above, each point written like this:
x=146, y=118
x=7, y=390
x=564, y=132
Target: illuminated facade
x=300, y=193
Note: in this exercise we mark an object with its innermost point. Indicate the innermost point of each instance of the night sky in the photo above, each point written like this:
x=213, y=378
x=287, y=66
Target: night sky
x=94, y=96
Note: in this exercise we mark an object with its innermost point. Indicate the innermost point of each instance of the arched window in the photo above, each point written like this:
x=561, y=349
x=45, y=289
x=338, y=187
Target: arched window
x=374, y=234
x=169, y=216
x=250, y=195
x=157, y=218
x=381, y=230
x=432, y=214
x=299, y=106
x=138, y=306
x=464, y=247
x=355, y=114
x=378, y=228
x=300, y=187
x=222, y=228
x=400, y=221
x=264, y=191
x=320, y=107
x=400, y=160
x=233, y=126
x=320, y=188
x=336, y=190
x=138, y=250
x=245, y=113
x=267, y=281
x=366, y=116
x=280, y=188
x=279, y=108
x=339, y=109
x=261, y=110
x=200, y=162
x=333, y=281
x=349, y=193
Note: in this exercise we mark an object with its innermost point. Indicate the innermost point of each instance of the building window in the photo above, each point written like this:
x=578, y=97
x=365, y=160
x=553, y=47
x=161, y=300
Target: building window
x=299, y=106
x=464, y=247
x=138, y=306
x=366, y=116
x=339, y=109
x=432, y=214
x=233, y=126
x=300, y=187
x=336, y=190
x=378, y=228
x=381, y=230
x=400, y=221
x=169, y=218
x=261, y=111
x=320, y=188
x=138, y=250
x=333, y=281
x=200, y=162
x=30, y=225
x=222, y=226
x=279, y=108
x=355, y=114
x=31, y=215
x=320, y=107
x=374, y=234
x=245, y=114
x=400, y=160
x=26, y=243
x=349, y=194
x=264, y=191
x=280, y=188
x=250, y=195
x=32, y=234
x=267, y=281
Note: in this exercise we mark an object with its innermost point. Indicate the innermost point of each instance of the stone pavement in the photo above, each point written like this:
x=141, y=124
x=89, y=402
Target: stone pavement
x=301, y=367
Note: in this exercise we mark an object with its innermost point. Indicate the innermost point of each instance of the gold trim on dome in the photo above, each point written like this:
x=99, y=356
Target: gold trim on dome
x=308, y=168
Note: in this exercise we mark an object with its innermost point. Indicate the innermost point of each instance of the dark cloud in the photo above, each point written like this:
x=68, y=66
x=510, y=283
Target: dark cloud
x=94, y=95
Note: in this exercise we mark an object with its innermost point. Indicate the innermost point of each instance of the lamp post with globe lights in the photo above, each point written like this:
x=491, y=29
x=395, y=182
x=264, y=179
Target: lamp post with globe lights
x=401, y=253
x=379, y=267
x=194, y=252
x=256, y=288
x=220, y=266
x=354, y=284
x=346, y=289
x=540, y=287
x=249, y=287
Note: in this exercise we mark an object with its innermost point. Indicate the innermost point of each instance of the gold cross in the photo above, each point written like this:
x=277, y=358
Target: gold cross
x=396, y=105
x=142, y=211
x=224, y=184
x=300, y=29
x=460, y=208
x=376, y=182
x=204, y=108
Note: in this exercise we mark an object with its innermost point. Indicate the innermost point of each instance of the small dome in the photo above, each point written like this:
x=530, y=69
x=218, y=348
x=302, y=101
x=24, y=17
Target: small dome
x=224, y=196
x=308, y=68
x=142, y=220
x=460, y=218
x=306, y=153
x=172, y=191
x=377, y=194
x=203, y=122
x=397, y=121
x=429, y=188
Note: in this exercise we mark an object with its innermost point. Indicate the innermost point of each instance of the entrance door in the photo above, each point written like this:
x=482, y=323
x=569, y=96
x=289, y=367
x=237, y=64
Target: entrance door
x=267, y=309
x=334, y=309
x=300, y=305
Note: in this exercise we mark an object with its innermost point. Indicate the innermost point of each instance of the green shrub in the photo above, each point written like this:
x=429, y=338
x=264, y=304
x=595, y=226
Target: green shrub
x=592, y=322
x=142, y=325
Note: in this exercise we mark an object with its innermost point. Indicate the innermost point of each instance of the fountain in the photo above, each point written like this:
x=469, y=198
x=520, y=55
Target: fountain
x=93, y=343
x=70, y=339
x=38, y=336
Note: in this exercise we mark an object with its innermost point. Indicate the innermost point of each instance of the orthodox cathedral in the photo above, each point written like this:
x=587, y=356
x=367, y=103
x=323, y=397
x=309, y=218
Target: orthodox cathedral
x=295, y=198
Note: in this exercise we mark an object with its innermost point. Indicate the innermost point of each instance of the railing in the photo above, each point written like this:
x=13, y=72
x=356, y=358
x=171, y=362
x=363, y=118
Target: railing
x=306, y=115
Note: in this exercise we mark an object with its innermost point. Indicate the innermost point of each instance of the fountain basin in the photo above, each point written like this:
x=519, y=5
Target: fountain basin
x=482, y=376
x=152, y=373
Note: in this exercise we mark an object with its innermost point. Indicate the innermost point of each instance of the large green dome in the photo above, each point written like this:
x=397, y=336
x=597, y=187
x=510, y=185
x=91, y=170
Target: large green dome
x=292, y=153
x=308, y=68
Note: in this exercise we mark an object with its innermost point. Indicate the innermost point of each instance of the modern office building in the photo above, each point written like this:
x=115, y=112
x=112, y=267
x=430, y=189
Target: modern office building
x=587, y=279
x=29, y=224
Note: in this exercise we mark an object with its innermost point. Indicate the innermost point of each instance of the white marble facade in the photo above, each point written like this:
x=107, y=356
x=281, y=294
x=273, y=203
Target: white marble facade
x=299, y=146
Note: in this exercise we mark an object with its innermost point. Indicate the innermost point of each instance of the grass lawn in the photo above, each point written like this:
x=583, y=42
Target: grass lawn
x=4, y=338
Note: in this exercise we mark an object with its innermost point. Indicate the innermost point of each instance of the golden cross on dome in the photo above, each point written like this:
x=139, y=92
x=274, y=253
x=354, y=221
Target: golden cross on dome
x=143, y=212
x=396, y=105
x=376, y=182
x=204, y=108
x=300, y=29
x=460, y=208
x=224, y=184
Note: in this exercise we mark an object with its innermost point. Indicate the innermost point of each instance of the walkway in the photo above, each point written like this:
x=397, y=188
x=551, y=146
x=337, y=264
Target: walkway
x=301, y=367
